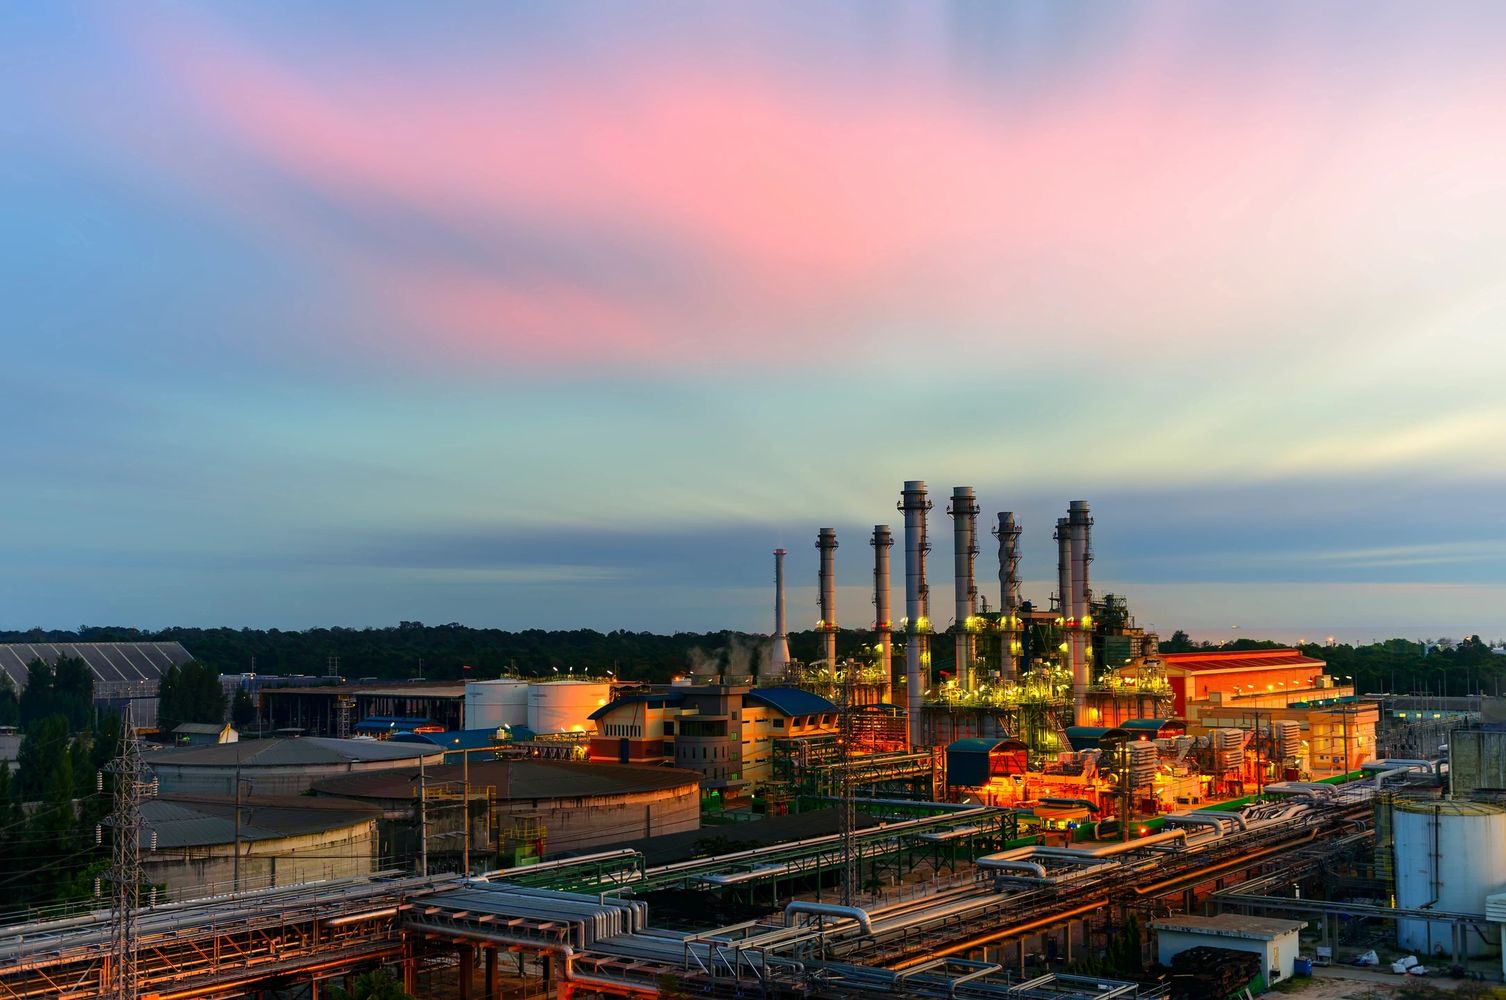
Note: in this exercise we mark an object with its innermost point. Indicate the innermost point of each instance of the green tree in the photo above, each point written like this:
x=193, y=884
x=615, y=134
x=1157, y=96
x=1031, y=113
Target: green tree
x=378, y=984
x=190, y=693
x=242, y=709
x=10, y=701
x=65, y=688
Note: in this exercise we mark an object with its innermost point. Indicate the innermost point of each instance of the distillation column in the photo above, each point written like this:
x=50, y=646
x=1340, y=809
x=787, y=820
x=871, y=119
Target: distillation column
x=883, y=620
x=917, y=621
x=1008, y=533
x=779, y=656
x=826, y=542
x=1080, y=621
x=964, y=511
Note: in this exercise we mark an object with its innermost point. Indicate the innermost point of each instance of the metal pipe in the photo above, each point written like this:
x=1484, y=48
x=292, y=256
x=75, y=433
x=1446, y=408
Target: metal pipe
x=917, y=622
x=964, y=512
x=883, y=616
x=826, y=542
x=1193, y=819
x=779, y=656
x=1008, y=533
x=1109, y=850
x=829, y=910
x=1038, y=870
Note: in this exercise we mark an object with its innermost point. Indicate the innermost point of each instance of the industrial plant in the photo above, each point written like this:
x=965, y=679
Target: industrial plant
x=1064, y=813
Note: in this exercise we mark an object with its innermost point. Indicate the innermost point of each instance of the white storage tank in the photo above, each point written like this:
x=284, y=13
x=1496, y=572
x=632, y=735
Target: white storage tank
x=1450, y=855
x=565, y=706
x=489, y=704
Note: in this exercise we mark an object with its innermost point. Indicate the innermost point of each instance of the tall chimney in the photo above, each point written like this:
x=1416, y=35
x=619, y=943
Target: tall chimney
x=917, y=621
x=779, y=656
x=1080, y=622
x=883, y=621
x=964, y=511
x=1008, y=533
x=826, y=542
x=1064, y=607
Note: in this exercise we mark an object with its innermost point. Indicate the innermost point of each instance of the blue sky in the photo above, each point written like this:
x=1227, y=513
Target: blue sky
x=549, y=316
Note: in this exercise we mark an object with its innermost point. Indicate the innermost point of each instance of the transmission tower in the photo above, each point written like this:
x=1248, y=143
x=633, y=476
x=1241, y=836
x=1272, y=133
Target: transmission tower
x=131, y=786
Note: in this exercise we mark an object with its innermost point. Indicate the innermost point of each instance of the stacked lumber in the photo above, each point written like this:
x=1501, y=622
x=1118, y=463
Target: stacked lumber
x=1212, y=973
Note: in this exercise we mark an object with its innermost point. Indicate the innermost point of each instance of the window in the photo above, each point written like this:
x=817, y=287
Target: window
x=778, y=723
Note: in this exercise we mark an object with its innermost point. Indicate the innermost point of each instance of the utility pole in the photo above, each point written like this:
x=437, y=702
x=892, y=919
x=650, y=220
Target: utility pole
x=131, y=786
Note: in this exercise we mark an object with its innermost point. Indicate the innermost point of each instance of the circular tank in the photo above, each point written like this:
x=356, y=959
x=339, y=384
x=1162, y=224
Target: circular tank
x=489, y=704
x=565, y=706
x=1449, y=856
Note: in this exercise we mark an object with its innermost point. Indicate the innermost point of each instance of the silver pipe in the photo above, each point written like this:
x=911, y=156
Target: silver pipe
x=1038, y=870
x=917, y=621
x=964, y=511
x=779, y=656
x=1193, y=819
x=826, y=542
x=829, y=910
x=883, y=616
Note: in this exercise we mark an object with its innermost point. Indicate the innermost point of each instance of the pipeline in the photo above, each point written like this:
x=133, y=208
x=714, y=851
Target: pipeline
x=830, y=910
x=1038, y=870
x=1092, y=807
x=1193, y=819
x=1201, y=873
x=1109, y=850
x=1012, y=931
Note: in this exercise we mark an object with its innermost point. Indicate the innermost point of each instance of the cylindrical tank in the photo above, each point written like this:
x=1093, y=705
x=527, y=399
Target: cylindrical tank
x=565, y=706
x=1449, y=856
x=489, y=704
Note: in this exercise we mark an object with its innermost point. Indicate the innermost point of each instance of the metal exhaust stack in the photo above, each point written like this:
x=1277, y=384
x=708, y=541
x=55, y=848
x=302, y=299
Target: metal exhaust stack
x=779, y=656
x=883, y=621
x=1080, y=621
x=826, y=542
x=1008, y=533
x=964, y=511
x=917, y=621
x=1064, y=598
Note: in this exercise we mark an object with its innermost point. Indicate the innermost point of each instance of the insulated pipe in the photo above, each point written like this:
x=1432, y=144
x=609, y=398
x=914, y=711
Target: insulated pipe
x=779, y=657
x=1193, y=819
x=1008, y=533
x=917, y=623
x=1109, y=850
x=883, y=618
x=1431, y=765
x=826, y=542
x=964, y=511
x=829, y=910
x=1234, y=816
x=1030, y=867
x=1078, y=618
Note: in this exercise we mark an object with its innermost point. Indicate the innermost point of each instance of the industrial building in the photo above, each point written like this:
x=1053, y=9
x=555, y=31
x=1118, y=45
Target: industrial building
x=520, y=810
x=278, y=766
x=189, y=844
x=126, y=674
x=1275, y=941
x=337, y=708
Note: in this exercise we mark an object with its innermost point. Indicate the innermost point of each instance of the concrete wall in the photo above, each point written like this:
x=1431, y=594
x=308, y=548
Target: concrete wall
x=1276, y=956
x=185, y=779
x=191, y=872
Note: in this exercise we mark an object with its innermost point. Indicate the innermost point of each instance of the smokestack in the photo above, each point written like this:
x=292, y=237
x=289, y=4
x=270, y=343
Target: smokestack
x=826, y=541
x=883, y=621
x=917, y=621
x=1064, y=605
x=1080, y=616
x=964, y=511
x=1008, y=533
x=779, y=656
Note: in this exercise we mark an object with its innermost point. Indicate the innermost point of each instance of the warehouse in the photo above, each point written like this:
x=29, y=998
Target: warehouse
x=278, y=766
x=189, y=844
x=125, y=674
x=542, y=807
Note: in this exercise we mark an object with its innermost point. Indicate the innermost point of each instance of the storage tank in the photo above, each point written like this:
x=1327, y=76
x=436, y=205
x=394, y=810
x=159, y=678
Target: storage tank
x=565, y=706
x=1449, y=856
x=489, y=704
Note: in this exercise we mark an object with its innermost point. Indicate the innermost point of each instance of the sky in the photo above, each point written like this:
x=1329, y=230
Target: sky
x=565, y=314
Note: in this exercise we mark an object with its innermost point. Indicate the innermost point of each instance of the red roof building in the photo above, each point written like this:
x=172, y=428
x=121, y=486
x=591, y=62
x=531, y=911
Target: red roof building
x=1258, y=676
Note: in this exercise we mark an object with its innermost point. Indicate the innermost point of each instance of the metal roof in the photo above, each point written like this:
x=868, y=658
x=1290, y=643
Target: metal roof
x=653, y=700
x=304, y=751
x=791, y=701
x=1092, y=737
x=110, y=662
x=459, y=739
x=199, y=822
x=1243, y=659
x=1150, y=725
x=513, y=779
x=982, y=744
x=205, y=728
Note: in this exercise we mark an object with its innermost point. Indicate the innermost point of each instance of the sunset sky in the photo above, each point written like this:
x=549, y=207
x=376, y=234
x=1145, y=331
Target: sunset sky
x=566, y=314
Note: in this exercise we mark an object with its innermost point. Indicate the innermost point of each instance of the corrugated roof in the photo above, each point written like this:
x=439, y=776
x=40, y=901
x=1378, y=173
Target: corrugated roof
x=204, y=728
x=458, y=739
x=979, y=744
x=110, y=662
x=181, y=821
x=791, y=701
x=653, y=700
x=514, y=779
x=302, y=751
x=1245, y=659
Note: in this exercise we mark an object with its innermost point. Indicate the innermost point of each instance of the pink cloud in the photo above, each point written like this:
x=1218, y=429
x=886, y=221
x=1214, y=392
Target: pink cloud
x=1131, y=209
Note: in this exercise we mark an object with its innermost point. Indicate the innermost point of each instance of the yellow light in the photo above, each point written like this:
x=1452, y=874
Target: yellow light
x=1062, y=647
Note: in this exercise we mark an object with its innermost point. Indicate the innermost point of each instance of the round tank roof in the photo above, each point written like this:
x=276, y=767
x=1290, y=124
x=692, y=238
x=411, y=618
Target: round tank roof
x=1450, y=807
